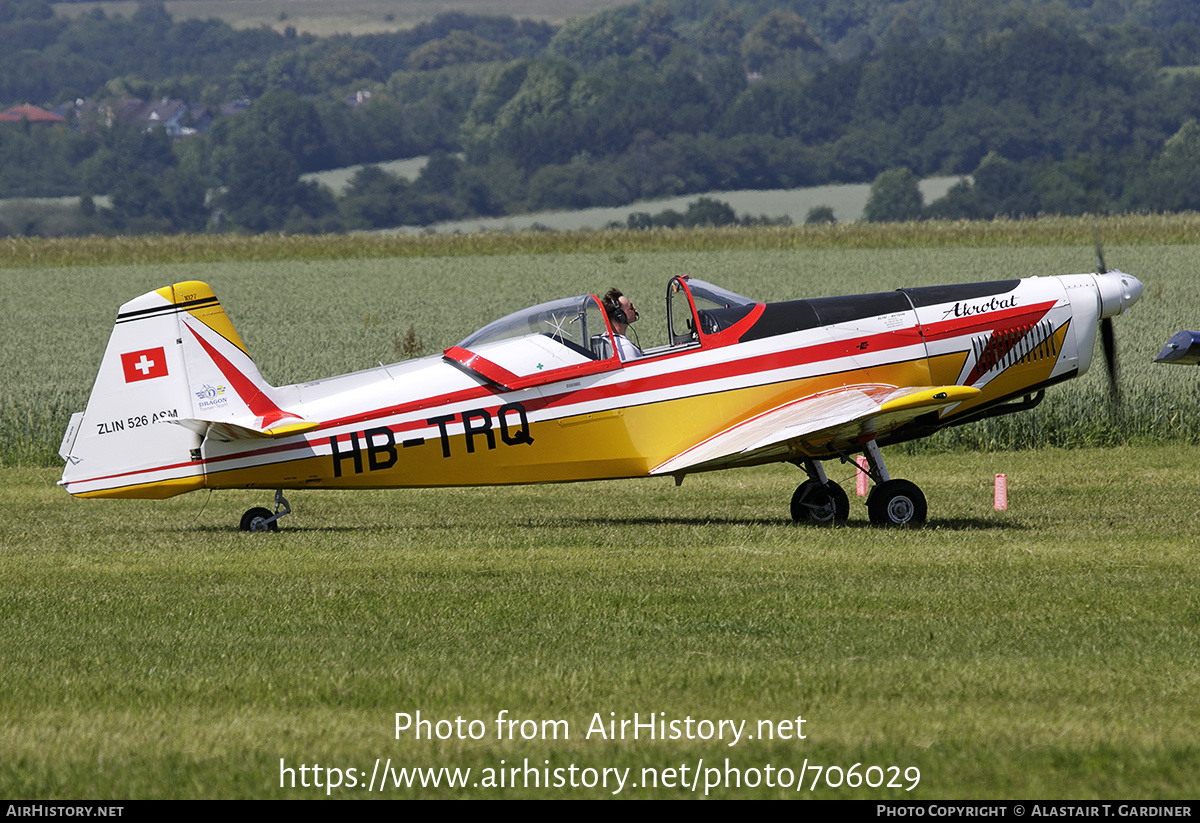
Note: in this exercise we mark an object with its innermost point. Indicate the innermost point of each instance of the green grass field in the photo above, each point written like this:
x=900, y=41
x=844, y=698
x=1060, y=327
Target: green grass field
x=1050, y=651
x=149, y=650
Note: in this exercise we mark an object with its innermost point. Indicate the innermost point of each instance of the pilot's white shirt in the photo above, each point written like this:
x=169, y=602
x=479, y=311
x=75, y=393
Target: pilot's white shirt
x=625, y=348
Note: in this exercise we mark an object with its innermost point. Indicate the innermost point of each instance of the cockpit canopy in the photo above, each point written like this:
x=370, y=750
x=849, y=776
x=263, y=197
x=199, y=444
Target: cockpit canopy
x=575, y=322
x=710, y=310
x=572, y=336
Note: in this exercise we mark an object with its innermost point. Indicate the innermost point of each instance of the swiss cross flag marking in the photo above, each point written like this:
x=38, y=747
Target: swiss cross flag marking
x=144, y=365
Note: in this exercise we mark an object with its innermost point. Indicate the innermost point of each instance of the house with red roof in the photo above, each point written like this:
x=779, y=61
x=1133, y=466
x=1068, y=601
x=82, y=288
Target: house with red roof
x=30, y=113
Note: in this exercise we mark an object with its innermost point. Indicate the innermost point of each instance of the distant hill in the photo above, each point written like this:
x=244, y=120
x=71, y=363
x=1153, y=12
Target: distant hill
x=1040, y=106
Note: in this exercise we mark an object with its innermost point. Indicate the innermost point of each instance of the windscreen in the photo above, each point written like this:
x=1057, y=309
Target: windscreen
x=577, y=322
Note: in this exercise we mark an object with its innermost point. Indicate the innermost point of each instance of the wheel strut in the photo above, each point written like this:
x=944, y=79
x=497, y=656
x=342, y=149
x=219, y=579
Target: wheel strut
x=892, y=502
x=875, y=468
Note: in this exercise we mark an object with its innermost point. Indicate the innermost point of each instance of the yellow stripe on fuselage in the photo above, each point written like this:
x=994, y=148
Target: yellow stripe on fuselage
x=625, y=441
x=158, y=490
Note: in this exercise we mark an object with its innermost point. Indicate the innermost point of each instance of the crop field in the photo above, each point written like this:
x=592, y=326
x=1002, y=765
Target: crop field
x=338, y=180
x=847, y=201
x=150, y=650
x=314, y=318
x=324, y=18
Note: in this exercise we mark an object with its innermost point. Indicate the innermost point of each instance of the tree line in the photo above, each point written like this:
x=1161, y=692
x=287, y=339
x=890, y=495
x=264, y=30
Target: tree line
x=1041, y=107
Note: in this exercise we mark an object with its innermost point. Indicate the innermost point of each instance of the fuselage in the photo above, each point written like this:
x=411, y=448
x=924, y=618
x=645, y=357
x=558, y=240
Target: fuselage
x=571, y=415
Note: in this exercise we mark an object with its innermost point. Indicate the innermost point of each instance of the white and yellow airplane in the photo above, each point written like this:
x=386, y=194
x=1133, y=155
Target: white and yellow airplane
x=541, y=396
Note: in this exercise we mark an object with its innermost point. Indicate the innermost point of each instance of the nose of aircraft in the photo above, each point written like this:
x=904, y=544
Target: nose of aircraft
x=1118, y=291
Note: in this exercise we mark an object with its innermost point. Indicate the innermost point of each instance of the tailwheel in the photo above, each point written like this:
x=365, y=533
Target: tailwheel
x=897, y=503
x=264, y=520
x=823, y=503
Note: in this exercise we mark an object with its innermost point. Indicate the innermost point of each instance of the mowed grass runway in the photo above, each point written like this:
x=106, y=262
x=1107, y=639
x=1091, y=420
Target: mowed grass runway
x=1050, y=651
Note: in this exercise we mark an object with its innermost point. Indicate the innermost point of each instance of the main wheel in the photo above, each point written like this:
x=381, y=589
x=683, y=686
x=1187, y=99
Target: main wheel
x=817, y=503
x=897, y=503
x=255, y=520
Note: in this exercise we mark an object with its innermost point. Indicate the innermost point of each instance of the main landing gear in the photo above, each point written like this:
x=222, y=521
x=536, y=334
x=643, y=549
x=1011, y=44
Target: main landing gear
x=264, y=520
x=818, y=499
x=890, y=503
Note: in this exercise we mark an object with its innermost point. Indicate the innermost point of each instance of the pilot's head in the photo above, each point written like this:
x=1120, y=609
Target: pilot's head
x=620, y=309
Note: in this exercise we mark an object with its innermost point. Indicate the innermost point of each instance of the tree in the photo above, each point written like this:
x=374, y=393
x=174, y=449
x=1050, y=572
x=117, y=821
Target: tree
x=152, y=14
x=293, y=124
x=376, y=199
x=1005, y=189
x=572, y=186
x=263, y=187
x=491, y=190
x=149, y=191
x=1074, y=186
x=653, y=30
x=961, y=202
x=589, y=40
x=639, y=220
x=722, y=32
x=707, y=211
x=1174, y=177
x=533, y=126
x=895, y=196
x=439, y=174
x=820, y=215
x=342, y=66
x=457, y=47
x=172, y=201
x=777, y=35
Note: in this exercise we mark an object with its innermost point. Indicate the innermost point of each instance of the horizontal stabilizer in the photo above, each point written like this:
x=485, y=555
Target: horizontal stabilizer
x=843, y=416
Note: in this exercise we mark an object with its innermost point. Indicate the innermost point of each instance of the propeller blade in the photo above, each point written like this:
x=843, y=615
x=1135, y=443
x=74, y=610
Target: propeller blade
x=1109, y=343
x=1100, y=267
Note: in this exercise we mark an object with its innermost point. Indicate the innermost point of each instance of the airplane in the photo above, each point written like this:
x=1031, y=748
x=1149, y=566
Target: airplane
x=541, y=396
x=1183, y=349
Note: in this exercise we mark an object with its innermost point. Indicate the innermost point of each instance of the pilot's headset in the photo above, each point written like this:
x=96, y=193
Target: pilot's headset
x=615, y=313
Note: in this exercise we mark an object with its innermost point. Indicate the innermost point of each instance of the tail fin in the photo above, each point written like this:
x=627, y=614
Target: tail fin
x=175, y=372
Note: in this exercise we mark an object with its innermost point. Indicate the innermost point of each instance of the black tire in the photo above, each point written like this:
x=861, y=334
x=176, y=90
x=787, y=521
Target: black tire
x=255, y=520
x=822, y=504
x=897, y=503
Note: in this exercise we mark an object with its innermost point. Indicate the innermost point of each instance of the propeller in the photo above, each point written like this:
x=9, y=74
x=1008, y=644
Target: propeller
x=1109, y=344
x=1108, y=341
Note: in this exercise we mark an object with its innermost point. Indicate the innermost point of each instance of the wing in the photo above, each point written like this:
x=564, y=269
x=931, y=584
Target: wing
x=1182, y=348
x=815, y=423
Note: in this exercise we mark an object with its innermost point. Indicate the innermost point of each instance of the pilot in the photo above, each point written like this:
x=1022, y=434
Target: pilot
x=621, y=312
